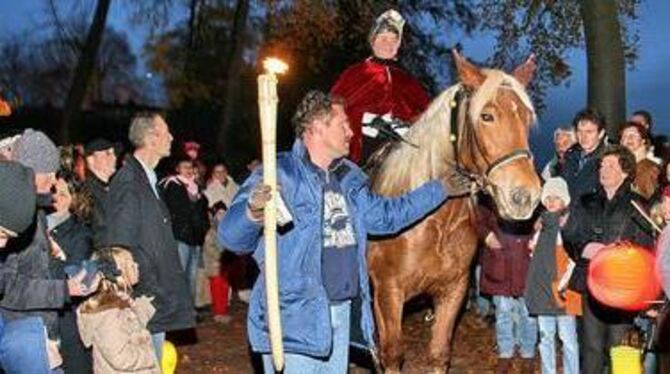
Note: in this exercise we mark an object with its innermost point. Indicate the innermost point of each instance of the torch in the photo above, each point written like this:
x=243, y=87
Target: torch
x=267, y=106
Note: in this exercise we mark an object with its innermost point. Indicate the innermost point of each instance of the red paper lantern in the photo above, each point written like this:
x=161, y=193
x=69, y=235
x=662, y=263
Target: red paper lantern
x=623, y=275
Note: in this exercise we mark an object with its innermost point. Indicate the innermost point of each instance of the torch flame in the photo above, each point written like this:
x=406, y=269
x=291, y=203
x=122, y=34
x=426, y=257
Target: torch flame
x=274, y=65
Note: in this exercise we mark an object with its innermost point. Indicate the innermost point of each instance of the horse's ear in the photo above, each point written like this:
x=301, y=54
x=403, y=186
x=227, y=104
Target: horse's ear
x=468, y=73
x=524, y=72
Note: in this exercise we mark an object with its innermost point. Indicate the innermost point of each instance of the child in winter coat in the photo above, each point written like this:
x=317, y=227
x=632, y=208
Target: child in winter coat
x=219, y=284
x=546, y=292
x=113, y=323
x=505, y=263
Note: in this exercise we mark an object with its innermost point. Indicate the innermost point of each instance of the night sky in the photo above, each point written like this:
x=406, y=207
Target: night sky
x=647, y=83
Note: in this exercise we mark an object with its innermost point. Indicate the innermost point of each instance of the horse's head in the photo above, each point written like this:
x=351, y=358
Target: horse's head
x=495, y=125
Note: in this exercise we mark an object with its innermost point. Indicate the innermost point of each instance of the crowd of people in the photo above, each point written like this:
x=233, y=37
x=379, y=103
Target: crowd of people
x=98, y=264
x=536, y=271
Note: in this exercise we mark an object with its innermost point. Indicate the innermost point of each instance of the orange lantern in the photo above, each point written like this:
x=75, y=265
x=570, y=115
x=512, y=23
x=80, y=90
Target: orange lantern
x=5, y=109
x=623, y=275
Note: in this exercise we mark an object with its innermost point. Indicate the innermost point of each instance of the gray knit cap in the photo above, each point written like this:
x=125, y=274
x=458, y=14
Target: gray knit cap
x=35, y=150
x=17, y=197
x=556, y=187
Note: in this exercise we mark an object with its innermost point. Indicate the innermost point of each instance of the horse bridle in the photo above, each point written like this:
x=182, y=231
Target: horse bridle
x=480, y=179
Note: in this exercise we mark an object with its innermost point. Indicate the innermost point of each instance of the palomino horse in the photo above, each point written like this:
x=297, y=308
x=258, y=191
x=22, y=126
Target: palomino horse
x=489, y=140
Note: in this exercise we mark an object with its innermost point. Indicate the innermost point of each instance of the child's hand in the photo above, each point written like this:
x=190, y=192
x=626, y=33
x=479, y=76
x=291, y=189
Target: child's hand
x=76, y=286
x=492, y=241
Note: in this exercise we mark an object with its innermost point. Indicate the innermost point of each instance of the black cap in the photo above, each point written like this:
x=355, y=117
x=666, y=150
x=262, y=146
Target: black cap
x=98, y=144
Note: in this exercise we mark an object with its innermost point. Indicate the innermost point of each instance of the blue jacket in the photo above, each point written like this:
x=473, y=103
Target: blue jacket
x=303, y=301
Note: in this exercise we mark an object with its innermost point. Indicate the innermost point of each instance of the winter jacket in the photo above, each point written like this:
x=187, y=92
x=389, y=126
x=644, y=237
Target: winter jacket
x=548, y=265
x=99, y=190
x=142, y=224
x=581, y=171
x=504, y=269
x=189, y=215
x=303, y=300
x=76, y=241
x=119, y=338
x=30, y=287
x=211, y=254
x=596, y=219
x=216, y=192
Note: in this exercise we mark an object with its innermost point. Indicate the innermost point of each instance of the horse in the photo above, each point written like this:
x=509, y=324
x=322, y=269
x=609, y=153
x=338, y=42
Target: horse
x=478, y=128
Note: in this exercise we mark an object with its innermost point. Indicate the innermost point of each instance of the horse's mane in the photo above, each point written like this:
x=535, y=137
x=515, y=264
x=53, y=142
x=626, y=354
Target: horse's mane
x=406, y=167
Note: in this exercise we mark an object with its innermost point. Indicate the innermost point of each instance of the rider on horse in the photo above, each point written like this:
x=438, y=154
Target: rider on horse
x=379, y=86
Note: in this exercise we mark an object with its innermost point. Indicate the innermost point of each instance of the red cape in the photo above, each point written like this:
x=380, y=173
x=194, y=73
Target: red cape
x=375, y=87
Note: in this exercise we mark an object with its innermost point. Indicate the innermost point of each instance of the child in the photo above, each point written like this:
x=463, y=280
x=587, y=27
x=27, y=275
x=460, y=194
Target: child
x=504, y=267
x=546, y=292
x=218, y=279
x=113, y=323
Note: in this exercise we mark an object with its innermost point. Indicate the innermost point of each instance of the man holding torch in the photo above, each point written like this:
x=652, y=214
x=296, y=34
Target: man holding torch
x=321, y=246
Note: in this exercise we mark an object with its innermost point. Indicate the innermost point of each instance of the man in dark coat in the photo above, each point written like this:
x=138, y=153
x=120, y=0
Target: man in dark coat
x=600, y=218
x=100, y=167
x=580, y=170
x=140, y=221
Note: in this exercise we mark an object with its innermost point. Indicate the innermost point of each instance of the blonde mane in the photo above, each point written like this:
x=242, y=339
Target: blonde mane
x=406, y=167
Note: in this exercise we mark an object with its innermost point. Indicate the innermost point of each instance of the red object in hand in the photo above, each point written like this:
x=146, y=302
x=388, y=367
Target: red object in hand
x=623, y=276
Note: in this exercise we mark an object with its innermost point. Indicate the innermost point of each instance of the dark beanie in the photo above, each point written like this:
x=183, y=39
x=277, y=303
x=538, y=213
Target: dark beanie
x=35, y=150
x=17, y=196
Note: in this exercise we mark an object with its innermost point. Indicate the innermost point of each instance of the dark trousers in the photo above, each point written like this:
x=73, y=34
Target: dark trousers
x=76, y=357
x=602, y=328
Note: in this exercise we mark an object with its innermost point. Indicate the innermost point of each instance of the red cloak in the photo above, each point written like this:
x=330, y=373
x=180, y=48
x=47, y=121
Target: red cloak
x=377, y=87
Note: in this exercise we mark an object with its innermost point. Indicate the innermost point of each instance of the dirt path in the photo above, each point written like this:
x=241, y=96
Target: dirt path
x=224, y=349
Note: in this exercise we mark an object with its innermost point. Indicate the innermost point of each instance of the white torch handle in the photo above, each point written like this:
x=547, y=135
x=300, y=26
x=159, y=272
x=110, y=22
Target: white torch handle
x=267, y=104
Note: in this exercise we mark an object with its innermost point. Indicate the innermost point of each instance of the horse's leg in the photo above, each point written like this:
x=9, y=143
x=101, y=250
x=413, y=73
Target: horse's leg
x=446, y=310
x=389, y=302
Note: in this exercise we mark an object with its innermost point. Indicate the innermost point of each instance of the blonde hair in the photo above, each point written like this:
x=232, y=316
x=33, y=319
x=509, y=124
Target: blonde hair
x=109, y=293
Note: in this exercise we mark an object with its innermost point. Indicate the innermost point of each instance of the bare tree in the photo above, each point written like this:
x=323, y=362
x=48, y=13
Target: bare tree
x=231, y=74
x=605, y=59
x=84, y=69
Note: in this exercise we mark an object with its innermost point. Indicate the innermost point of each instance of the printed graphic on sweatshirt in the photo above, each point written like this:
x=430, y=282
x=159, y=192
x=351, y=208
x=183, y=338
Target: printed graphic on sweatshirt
x=338, y=231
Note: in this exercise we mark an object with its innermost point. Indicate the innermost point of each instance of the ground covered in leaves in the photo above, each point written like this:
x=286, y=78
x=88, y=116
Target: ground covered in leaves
x=223, y=348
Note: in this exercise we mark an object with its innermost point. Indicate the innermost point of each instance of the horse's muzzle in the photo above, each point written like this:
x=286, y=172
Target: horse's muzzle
x=516, y=205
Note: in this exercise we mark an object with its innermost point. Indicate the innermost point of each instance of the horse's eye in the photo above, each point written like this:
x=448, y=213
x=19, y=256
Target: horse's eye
x=486, y=117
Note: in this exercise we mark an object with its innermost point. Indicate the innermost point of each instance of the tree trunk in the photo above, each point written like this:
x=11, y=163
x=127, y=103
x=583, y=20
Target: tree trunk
x=84, y=70
x=606, y=65
x=231, y=76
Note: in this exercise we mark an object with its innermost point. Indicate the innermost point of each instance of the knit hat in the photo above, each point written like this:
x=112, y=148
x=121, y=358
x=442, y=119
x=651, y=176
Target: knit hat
x=17, y=197
x=391, y=21
x=35, y=150
x=556, y=187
